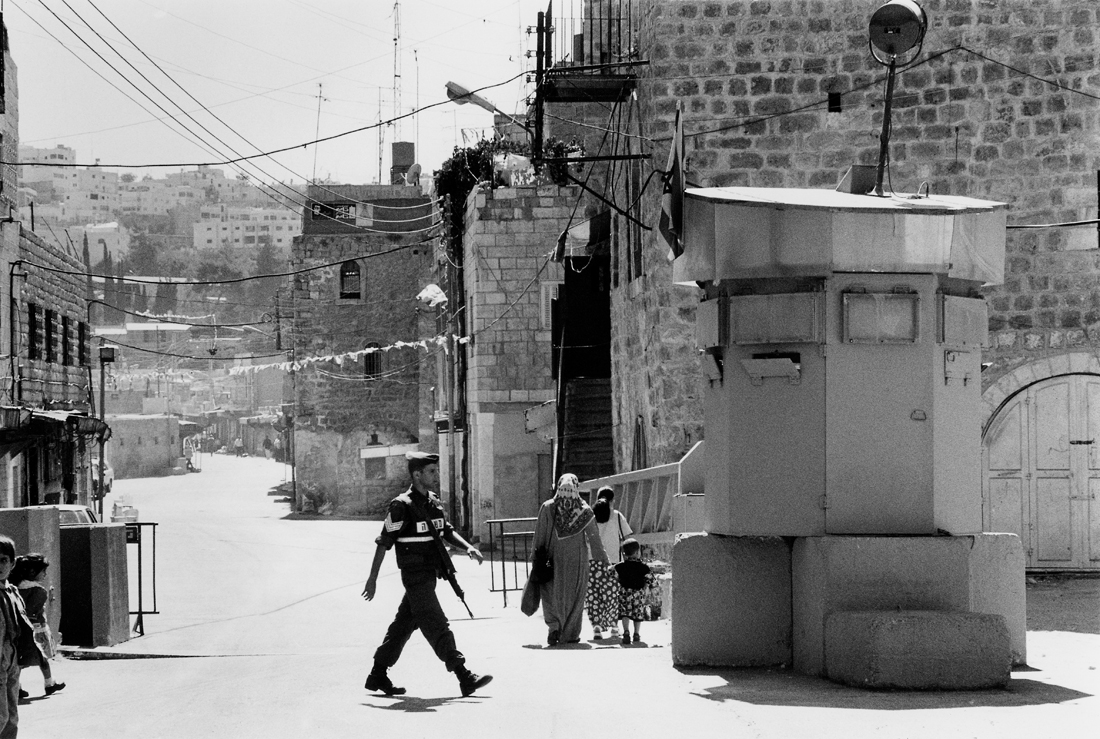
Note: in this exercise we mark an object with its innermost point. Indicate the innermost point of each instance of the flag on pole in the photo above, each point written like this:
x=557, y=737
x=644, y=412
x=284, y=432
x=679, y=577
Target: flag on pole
x=671, y=225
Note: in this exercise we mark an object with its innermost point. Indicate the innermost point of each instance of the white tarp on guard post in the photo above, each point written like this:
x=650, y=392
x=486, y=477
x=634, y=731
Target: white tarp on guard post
x=742, y=232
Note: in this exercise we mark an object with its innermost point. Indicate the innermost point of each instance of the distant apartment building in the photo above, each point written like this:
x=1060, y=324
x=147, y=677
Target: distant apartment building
x=244, y=227
x=67, y=194
x=150, y=197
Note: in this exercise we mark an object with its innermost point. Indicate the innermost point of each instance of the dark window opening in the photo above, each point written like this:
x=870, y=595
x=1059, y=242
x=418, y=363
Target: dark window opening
x=66, y=347
x=350, y=281
x=834, y=103
x=32, y=331
x=82, y=343
x=372, y=361
x=49, y=321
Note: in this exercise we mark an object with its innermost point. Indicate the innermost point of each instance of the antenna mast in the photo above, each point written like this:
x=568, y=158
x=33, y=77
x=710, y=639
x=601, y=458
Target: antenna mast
x=397, y=68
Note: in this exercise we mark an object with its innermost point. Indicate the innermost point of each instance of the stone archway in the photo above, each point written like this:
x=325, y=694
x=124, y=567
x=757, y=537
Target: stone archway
x=995, y=396
x=1041, y=460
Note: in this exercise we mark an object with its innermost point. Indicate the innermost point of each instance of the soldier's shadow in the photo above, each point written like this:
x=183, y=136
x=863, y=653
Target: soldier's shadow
x=412, y=704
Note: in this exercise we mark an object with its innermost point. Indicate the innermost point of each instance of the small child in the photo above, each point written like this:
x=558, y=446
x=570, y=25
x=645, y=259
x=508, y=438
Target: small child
x=27, y=576
x=15, y=640
x=634, y=579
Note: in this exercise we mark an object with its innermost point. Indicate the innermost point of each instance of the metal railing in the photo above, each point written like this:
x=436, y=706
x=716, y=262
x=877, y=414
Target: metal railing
x=657, y=500
x=593, y=32
x=511, y=542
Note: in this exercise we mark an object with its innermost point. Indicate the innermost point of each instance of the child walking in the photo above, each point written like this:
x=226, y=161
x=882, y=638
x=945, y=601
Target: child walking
x=634, y=579
x=27, y=576
x=16, y=640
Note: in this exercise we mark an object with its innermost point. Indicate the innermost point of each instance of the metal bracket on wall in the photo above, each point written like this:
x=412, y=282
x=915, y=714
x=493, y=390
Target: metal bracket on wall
x=758, y=369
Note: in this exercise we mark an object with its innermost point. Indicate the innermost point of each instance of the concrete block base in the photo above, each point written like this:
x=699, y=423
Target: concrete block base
x=918, y=650
x=731, y=602
x=969, y=574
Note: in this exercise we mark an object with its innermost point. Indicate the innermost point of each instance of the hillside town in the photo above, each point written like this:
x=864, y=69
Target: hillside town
x=803, y=294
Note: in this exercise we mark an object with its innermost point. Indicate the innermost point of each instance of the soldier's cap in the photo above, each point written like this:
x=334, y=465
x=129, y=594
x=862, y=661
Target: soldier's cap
x=422, y=457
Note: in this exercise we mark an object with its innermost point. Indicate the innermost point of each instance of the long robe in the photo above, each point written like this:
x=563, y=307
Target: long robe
x=563, y=597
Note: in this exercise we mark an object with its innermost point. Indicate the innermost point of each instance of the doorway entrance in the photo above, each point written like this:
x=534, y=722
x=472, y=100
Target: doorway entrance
x=1041, y=471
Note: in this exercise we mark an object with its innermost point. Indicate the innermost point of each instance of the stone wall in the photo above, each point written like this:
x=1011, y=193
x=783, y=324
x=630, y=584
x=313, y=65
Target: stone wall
x=1001, y=105
x=511, y=233
x=44, y=382
x=339, y=409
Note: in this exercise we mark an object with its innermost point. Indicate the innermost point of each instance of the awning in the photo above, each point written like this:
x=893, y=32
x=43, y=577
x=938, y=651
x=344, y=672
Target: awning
x=266, y=419
x=76, y=423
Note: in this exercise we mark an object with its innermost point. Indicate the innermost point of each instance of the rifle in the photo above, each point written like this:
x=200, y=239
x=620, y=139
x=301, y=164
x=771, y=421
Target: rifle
x=449, y=572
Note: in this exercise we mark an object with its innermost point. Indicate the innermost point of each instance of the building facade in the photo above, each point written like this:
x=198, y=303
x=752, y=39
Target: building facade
x=242, y=227
x=363, y=348
x=47, y=428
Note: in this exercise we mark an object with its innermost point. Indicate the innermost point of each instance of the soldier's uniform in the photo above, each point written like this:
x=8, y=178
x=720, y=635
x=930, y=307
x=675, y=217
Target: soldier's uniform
x=418, y=559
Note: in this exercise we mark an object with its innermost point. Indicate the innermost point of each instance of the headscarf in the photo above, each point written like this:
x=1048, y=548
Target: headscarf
x=571, y=514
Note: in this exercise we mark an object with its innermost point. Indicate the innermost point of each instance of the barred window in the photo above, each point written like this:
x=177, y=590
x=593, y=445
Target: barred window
x=372, y=361
x=32, y=331
x=350, y=281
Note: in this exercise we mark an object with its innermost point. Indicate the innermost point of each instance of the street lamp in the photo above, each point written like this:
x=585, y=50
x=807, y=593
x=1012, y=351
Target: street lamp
x=460, y=96
x=106, y=356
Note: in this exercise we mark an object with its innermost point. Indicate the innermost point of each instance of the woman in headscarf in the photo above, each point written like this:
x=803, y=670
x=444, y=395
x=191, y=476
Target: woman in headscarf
x=567, y=528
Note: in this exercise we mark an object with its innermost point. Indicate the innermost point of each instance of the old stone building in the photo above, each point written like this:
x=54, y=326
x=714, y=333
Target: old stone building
x=523, y=307
x=46, y=433
x=364, y=348
x=1001, y=105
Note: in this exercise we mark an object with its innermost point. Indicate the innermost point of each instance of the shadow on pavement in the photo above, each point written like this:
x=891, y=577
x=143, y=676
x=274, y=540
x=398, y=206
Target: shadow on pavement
x=776, y=687
x=416, y=705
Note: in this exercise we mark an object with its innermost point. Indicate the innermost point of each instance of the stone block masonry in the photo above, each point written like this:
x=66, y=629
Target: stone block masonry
x=1001, y=106
x=383, y=399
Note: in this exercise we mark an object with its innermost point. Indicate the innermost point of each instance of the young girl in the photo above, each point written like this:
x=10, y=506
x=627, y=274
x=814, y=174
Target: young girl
x=634, y=579
x=27, y=575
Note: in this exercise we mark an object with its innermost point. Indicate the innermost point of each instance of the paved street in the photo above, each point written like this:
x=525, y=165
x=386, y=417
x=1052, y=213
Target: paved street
x=262, y=633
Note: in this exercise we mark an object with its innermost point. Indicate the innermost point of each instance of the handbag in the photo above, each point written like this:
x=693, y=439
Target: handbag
x=529, y=603
x=653, y=600
x=542, y=569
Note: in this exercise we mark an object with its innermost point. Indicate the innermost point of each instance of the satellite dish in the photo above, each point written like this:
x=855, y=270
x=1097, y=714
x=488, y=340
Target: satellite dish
x=412, y=177
x=896, y=28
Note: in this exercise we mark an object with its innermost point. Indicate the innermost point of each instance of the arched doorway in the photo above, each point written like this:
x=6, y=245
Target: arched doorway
x=1041, y=470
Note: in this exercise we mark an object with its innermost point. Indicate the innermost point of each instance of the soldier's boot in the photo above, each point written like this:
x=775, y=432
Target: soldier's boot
x=468, y=682
x=380, y=681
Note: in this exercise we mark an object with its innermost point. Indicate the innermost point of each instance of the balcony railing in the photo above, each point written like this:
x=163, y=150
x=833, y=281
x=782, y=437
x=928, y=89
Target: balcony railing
x=593, y=32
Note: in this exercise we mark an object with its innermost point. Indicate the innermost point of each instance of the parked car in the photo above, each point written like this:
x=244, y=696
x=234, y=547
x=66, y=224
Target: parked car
x=108, y=475
x=75, y=515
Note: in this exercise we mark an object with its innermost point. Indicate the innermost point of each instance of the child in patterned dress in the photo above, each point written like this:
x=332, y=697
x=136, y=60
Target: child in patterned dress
x=634, y=577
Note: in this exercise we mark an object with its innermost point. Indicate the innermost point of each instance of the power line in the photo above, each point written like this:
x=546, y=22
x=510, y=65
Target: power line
x=314, y=142
x=235, y=280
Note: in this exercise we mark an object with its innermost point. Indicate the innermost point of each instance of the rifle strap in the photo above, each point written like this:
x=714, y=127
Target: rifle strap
x=431, y=530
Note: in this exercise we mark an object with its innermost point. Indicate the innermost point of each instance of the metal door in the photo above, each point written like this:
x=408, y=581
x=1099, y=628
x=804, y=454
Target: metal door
x=1041, y=472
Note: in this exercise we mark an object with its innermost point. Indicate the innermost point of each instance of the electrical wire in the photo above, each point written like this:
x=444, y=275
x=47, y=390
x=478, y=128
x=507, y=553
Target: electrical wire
x=232, y=281
x=314, y=142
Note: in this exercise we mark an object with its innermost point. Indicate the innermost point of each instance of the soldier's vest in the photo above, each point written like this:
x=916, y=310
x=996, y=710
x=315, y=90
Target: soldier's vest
x=416, y=549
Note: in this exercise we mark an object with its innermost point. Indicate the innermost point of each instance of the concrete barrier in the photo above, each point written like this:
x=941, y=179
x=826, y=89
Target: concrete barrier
x=95, y=584
x=918, y=650
x=978, y=573
x=35, y=529
x=731, y=600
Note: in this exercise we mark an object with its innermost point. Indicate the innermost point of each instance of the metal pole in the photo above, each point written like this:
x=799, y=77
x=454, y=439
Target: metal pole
x=103, y=418
x=884, y=139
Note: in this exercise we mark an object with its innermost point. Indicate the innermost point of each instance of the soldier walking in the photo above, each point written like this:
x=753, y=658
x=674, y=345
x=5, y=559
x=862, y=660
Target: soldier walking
x=414, y=519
